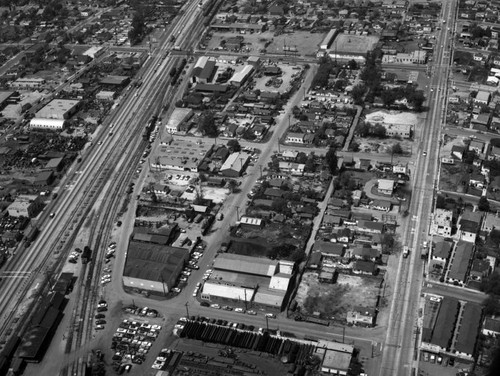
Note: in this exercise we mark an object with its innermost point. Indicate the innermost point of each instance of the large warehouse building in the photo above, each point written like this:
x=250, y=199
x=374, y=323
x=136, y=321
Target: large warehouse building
x=58, y=109
x=352, y=47
x=259, y=281
x=153, y=267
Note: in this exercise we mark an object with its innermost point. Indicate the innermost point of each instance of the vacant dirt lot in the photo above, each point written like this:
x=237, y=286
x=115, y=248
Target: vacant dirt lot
x=349, y=291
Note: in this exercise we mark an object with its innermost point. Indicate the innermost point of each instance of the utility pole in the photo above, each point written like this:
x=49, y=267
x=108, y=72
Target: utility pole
x=343, y=334
x=267, y=323
x=260, y=170
x=187, y=309
x=237, y=213
x=245, y=290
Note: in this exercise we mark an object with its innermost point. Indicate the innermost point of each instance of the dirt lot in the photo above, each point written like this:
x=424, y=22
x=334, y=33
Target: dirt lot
x=377, y=145
x=305, y=42
x=351, y=291
x=452, y=178
x=288, y=74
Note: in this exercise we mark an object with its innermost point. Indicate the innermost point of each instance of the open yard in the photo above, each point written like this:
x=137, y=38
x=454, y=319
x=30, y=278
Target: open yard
x=305, y=42
x=334, y=300
x=453, y=178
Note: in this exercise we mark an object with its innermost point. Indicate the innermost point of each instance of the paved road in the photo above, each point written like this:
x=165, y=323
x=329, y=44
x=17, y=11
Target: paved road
x=398, y=357
x=454, y=292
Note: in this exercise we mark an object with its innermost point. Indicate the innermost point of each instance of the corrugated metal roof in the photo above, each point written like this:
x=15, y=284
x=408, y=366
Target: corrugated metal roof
x=246, y=264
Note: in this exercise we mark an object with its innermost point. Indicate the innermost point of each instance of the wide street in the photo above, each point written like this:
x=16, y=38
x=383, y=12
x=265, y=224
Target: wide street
x=94, y=190
x=399, y=355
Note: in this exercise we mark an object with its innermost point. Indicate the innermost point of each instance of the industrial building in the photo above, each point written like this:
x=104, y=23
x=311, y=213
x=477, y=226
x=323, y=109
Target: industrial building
x=204, y=70
x=25, y=206
x=254, y=280
x=240, y=77
x=153, y=267
x=49, y=124
x=328, y=39
x=59, y=109
x=178, y=117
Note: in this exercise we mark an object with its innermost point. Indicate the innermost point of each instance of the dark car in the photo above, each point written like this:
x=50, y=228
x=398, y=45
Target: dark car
x=100, y=316
x=205, y=304
x=101, y=309
x=100, y=322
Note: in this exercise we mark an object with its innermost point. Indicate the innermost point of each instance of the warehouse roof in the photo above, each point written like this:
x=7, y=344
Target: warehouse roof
x=152, y=262
x=246, y=264
x=57, y=108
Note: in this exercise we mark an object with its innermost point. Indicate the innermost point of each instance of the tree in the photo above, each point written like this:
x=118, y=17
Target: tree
x=397, y=149
x=232, y=184
x=483, y=204
x=206, y=124
x=331, y=160
x=234, y=146
x=357, y=94
x=138, y=28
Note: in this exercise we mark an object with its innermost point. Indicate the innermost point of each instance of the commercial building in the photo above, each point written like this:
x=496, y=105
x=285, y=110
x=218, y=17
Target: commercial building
x=398, y=130
x=105, y=95
x=58, y=109
x=347, y=47
x=94, y=52
x=28, y=83
x=178, y=117
x=180, y=155
x=252, y=280
x=115, y=80
x=240, y=77
x=25, y=206
x=234, y=165
x=335, y=357
x=153, y=267
x=414, y=57
x=442, y=222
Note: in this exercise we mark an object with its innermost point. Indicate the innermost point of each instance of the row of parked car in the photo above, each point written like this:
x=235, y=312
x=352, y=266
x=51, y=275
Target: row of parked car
x=132, y=341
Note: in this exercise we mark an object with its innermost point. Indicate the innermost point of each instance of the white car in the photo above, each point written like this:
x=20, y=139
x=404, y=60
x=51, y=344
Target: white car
x=156, y=327
x=176, y=290
x=239, y=310
x=216, y=306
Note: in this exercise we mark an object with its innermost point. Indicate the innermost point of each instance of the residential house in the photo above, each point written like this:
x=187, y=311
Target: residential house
x=273, y=193
x=477, y=180
x=365, y=252
x=467, y=333
x=491, y=326
x=361, y=316
x=335, y=250
x=442, y=251
x=382, y=205
x=293, y=168
x=482, y=98
x=491, y=221
x=364, y=267
x=476, y=146
x=386, y=186
x=469, y=225
x=294, y=138
x=457, y=151
x=480, y=269
x=460, y=264
x=370, y=227
x=314, y=261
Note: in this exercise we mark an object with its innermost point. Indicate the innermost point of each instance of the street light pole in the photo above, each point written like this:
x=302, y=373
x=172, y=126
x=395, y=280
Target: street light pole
x=237, y=213
x=267, y=322
x=187, y=310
